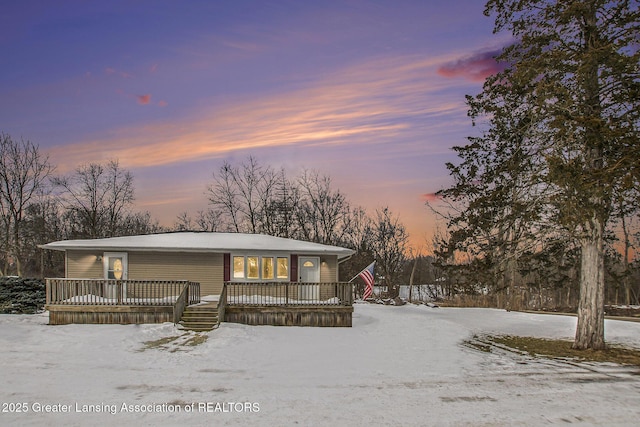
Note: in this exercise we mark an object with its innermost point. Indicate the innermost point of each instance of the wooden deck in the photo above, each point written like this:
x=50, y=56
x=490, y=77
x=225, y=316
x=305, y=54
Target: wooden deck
x=118, y=301
x=287, y=294
x=99, y=301
x=289, y=304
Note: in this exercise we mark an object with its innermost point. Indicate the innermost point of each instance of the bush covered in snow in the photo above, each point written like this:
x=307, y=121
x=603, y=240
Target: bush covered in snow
x=21, y=296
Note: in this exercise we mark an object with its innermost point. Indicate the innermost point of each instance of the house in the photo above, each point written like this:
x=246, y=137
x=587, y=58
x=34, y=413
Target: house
x=247, y=278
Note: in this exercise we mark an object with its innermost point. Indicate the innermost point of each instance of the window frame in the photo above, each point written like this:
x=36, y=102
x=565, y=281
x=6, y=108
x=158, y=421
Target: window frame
x=274, y=256
x=124, y=257
x=233, y=267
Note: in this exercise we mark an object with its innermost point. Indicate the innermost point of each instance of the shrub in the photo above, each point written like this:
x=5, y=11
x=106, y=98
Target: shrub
x=21, y=296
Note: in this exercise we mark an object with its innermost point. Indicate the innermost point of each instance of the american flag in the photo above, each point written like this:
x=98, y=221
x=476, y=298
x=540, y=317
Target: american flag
x=367, y=276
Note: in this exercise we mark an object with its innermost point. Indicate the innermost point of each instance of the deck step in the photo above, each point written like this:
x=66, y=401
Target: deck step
x=200, y=318
x=199, y=315
x=199, y=327
x=192, y=308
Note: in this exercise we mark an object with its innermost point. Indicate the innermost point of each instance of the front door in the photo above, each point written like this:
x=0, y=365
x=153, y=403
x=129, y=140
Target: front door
x=309, y=271
x=115, y=268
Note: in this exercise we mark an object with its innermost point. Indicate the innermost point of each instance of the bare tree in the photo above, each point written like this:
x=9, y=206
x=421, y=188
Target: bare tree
x=134, y=223
x=356, y=229
x=42, y=224
x=278, y=218
x=390, y=244
x=240, y=194
x=323, y=212
x=223, y=195
x=23, y=174
x=120, y=196
x=184, y=222
x=97, y=198
x=206, y=220
x=625, y=209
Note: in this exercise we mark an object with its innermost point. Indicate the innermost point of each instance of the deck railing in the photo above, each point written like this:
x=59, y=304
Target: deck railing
x=222, y=304
x=181, y=303
x=121, y=292
x=288, y=294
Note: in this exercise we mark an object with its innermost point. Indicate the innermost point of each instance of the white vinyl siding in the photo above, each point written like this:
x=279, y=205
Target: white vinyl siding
x=329, y=269
x=84, y=265
x=206, y=269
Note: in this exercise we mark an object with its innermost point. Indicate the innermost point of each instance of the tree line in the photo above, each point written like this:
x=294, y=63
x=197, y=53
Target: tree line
x=38, y=206
x=97, y=200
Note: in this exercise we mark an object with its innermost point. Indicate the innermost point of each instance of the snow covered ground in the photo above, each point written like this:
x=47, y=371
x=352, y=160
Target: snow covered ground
x=396, y=366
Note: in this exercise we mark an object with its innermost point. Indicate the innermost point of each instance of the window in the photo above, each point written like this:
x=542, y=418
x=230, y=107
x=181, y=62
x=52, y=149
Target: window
x=267, y=268
x=254, y=267
x=238, y=267
x=283, y=268
x=253, y=272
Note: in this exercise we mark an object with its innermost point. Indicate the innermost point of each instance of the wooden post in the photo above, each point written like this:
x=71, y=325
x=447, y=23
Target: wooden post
x=286, y=293
x=118, y=292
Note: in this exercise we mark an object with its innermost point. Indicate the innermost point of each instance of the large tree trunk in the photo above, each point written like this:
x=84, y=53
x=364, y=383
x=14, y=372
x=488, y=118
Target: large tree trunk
x=590, y=329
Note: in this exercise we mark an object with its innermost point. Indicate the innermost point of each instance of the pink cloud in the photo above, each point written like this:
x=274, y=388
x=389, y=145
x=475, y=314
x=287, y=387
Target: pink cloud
x=476, y=67
x=429, y=197
x=144, y=99
x=337, y=109
x=153, y=68
x=162, y=103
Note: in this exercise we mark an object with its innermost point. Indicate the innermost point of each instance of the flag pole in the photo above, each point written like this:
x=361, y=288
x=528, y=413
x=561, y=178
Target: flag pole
x=360, y=272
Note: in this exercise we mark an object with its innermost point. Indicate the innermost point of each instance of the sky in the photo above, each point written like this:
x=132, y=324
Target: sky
x=371, y=93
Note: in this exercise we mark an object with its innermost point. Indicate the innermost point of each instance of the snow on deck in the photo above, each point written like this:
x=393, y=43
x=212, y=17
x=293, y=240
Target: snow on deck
x=396, y=366
x=269, y=300
x=89, y=299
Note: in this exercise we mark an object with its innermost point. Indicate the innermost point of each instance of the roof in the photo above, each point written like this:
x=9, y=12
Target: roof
x=200, y=242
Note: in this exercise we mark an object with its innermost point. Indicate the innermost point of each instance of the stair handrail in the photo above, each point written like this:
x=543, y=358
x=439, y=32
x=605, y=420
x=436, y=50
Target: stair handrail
x=222, y=303
x=180, y=304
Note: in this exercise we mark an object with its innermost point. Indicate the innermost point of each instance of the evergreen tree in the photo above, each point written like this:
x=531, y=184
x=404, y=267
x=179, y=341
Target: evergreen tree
x=562, y=136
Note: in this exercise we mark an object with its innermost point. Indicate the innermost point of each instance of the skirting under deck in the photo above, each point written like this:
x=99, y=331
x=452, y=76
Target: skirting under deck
x=290, y=316
x=105, y=314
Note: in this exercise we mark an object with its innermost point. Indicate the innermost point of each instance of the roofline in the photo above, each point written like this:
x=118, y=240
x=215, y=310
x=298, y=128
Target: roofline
x=342, y=257
x=100, y=245
x=191, y=250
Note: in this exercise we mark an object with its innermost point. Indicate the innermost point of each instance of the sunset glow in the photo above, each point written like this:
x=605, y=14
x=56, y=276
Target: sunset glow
x=370, y=93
